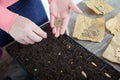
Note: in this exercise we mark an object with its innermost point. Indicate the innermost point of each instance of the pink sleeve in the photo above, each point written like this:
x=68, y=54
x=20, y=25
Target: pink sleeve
x=49, y=1
x=6, y=3
x=7, y=18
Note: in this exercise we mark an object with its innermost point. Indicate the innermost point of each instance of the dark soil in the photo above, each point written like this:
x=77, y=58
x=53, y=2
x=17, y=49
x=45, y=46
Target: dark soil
x=61, y=59
x=0, y=52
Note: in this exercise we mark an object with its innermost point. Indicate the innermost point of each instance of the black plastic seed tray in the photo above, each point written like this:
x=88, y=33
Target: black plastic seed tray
x=61, y=59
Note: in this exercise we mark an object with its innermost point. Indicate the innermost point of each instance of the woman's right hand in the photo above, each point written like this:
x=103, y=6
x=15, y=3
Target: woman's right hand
x=26, y=32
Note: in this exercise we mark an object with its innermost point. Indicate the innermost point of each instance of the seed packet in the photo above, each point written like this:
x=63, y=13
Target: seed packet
x=89, y=29
x=113, y=25
x=112, y=53
x=99, y=6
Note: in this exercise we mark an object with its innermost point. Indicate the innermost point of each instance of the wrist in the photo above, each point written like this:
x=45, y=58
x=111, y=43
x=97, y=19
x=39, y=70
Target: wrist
x=7, y=18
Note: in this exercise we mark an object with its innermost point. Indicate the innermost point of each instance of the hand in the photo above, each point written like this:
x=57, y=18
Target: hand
x=61, y=9
x=26, y=32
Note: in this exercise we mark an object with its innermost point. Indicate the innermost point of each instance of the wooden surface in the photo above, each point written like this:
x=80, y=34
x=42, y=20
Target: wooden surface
x=96, y=48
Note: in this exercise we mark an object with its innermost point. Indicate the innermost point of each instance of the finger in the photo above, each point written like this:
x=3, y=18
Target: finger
x=28, y=40
x=64, y=25
x=52, y=19
x=74, y=7
x=54, y=30
x=57, y=34
x=23, y=42
x=40, y=32
x=34, y=37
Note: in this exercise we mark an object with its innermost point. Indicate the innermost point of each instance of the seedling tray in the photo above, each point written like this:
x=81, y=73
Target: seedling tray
x=61, y=59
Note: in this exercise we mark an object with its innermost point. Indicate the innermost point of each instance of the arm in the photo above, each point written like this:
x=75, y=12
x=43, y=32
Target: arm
x=7, y=18
x=6, y=3
x=20, y=28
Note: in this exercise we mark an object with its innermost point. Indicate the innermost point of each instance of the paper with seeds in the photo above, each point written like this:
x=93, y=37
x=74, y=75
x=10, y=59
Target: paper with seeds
x=89, y=29
x=113, y=25
x=112, y=53
x=99, y=6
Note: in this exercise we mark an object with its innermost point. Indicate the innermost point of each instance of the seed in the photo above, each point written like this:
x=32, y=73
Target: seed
x=59, y=53
x=101, y=9
x=80, y=56
x=61, y=71
x=71, y=62
x=58, y=22
x=69, y=46
x=35, y=69
x=93, y=64
x=26, y=59
x=49, y=62
x=106, y=74
x=84, y=74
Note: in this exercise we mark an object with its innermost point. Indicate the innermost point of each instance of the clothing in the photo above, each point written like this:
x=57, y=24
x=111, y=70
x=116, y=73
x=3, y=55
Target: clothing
x=6, y=3
x=46, y=7
x=32, y=9
x=7, y=18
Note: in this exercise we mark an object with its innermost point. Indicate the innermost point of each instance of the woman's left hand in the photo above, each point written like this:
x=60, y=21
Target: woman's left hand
x=61, y=9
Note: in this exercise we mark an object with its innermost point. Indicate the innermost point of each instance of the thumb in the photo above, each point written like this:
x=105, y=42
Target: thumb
x=74, y=7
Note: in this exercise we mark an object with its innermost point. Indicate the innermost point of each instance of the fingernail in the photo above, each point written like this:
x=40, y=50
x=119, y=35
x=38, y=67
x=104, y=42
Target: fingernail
x=56, y=35
x=54, y=31
x=45, y=36
x=51, y=26
x=62, y=33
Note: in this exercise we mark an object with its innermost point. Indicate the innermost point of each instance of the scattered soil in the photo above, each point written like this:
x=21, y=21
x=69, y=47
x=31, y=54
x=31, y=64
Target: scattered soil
x=61, y=59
